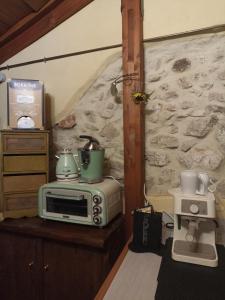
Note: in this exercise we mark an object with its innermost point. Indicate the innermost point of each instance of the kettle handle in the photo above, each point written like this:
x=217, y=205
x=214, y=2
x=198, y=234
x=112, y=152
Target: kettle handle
x=90, y=138
x=204, y=179
x=212, y=187
x=76, y=162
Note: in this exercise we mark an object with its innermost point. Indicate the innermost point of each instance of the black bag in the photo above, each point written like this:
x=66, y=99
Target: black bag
x=147, y=232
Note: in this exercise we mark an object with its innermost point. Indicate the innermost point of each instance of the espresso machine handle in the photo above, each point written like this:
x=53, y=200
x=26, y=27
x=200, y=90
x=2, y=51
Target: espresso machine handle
x=179, y=222
x=216, y=223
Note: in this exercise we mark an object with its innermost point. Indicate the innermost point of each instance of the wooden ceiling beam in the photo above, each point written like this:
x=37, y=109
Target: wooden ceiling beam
x=133, y=114
x=36, y=25
x=25, y=22
x=35, y=5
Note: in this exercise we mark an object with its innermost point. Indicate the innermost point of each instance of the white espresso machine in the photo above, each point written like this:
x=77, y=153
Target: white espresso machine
x=194, y=226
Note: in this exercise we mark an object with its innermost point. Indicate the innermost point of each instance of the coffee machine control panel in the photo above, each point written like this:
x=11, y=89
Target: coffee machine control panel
x=195, y=207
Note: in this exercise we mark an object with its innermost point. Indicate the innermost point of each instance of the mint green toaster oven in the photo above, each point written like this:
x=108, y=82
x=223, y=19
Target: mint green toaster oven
x=81, y=203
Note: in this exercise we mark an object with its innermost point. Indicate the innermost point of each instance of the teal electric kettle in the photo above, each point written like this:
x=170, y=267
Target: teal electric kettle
x=67, y=167
x=91, y=160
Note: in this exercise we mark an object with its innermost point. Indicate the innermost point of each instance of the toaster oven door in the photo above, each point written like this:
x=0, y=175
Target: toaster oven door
x=72, y=208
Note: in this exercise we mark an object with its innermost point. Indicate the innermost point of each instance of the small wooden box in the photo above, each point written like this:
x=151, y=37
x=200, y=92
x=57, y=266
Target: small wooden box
x=25, y=104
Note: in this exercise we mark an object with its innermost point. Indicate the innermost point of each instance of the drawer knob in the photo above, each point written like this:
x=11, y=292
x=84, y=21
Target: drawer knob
x=46, y=268
x=30, y=265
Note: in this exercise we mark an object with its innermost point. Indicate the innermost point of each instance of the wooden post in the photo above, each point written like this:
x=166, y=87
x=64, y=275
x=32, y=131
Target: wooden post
x=133, y=114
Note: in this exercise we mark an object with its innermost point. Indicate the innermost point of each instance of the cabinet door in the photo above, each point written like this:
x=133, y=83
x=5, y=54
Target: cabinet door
x=18, y=267
x=70, y=272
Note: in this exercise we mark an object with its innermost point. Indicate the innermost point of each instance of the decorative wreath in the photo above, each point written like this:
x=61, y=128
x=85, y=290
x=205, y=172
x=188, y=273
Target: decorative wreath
x=140, y=97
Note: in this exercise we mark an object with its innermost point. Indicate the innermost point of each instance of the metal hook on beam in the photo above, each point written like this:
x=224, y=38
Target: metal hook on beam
x=121, y=78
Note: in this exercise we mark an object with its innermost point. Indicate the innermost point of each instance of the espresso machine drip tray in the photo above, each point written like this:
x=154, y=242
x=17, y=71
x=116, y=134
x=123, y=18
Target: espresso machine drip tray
x=197, y=250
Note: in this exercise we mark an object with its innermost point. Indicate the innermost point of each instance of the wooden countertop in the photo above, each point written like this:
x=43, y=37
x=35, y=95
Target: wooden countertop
x=134, y=276
x=74, y=233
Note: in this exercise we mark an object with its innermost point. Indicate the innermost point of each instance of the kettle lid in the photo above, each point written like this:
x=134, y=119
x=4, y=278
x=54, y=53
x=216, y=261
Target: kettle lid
x=92, y=144
x=66, y=151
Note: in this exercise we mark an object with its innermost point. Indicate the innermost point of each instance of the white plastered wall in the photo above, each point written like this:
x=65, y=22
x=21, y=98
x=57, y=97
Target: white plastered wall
x=163, y=17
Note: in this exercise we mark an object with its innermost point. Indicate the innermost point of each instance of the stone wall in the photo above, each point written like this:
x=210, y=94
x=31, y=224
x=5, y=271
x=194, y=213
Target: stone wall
x=185, y=114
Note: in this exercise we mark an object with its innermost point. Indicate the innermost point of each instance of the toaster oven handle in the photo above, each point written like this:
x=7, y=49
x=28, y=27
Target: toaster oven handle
x=74, y=197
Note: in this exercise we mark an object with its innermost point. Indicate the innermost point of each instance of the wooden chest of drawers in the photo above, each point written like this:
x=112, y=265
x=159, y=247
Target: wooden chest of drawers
x=24, y=168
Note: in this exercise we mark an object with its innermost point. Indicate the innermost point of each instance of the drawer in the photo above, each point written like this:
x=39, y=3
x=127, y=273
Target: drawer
x=20, y=201
x=20, y=183
x=22, y=163
x=25, y=143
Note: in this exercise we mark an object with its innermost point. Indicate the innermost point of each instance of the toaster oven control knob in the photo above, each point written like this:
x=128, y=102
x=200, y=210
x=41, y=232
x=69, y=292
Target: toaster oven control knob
x=194, y=209
x=97, y=199
x=97, y=209
x=97, y=220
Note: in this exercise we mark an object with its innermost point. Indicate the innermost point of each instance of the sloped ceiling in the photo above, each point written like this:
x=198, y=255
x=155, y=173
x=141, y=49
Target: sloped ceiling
x=22, y=22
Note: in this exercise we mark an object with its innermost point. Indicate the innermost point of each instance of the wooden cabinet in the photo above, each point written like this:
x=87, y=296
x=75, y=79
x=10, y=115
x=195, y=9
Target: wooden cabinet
x=24, y=168
x=17, y=270
x=52, y=260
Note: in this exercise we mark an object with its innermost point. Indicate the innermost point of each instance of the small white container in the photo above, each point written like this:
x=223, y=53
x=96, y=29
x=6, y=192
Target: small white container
x=189, y=181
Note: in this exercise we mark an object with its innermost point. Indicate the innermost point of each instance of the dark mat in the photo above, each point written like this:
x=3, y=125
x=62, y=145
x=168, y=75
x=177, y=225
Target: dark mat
x=184, y=281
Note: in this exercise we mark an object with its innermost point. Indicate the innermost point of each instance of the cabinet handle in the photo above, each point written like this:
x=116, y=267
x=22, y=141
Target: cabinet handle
x=46, y=268
x=30, y=265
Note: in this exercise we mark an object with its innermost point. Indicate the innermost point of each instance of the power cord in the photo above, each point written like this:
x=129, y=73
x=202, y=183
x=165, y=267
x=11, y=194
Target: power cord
x=168, y=225
x=115, y=179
